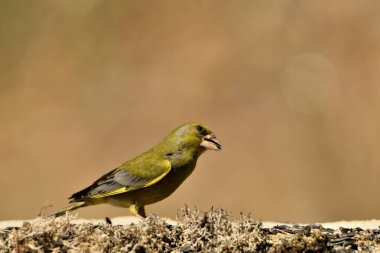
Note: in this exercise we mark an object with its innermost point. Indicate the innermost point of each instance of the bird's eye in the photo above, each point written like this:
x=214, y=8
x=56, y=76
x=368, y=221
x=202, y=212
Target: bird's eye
x=201, y=130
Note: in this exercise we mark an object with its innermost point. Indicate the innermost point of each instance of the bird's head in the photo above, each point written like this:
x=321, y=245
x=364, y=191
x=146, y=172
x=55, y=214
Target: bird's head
x=195, y=136
x=186, y=143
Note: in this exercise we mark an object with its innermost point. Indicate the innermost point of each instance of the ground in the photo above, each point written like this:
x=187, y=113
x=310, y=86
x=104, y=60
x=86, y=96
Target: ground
x=211, y=231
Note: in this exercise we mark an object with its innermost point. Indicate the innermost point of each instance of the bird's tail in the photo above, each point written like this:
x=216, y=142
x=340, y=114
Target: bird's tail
x=69, y=208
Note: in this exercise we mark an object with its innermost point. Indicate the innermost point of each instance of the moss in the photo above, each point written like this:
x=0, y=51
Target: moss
x=211, y=231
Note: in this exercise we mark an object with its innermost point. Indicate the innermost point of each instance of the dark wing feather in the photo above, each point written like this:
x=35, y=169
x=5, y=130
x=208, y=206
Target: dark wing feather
x=118, y=181
x=110, y=182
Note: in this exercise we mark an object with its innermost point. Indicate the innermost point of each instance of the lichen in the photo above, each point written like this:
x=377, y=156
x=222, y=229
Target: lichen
x=211, y=231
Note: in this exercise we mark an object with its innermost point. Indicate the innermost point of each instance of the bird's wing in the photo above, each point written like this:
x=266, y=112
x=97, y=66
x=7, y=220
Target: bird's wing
x=123, y=180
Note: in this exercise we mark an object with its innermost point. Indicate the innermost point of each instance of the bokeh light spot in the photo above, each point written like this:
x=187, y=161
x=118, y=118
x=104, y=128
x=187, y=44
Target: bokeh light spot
x=309, y=83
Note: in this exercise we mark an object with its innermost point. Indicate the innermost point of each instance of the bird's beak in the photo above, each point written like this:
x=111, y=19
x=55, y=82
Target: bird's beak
x=211, y=142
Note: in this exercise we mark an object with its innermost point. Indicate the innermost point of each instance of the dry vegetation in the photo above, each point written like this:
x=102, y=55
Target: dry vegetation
x=212, y=231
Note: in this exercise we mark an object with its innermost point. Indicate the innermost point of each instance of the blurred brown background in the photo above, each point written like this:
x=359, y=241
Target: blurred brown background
x=291, y=88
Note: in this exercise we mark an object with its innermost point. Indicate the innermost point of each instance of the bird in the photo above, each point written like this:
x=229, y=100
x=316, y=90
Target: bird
x=151, y=176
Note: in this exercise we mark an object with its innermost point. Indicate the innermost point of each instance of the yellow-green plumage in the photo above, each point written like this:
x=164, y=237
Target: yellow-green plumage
x=151, y=176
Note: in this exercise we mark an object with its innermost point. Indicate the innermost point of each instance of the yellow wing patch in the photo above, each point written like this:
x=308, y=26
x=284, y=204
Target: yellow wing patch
x=167, y=166
x=124, y=189
x=118, y=191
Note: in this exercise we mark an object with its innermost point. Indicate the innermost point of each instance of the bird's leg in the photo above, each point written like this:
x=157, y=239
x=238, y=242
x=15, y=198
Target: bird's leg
x=141, y=211
x=137, y=211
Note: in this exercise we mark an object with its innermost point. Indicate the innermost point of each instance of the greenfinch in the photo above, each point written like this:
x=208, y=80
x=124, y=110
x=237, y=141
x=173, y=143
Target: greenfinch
x=151, y=176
